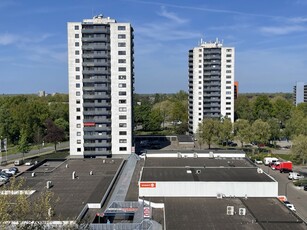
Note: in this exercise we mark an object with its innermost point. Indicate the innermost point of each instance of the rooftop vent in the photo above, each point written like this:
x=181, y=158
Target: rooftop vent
x=219, y=196
x=49, y=184
x=230, y=211
x=211, y=155
x=259, y=170
x=189, y=171
x=242, y=211
x=198, y=171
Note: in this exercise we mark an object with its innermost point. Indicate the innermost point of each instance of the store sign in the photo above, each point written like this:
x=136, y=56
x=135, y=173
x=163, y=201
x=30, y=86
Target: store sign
x=148, y=184
x=147, y=212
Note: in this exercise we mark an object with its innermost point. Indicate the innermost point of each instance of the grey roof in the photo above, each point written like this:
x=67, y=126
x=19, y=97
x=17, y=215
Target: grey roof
x=74, y=194
x=205, y=174
x=232, y=151
x=185, y=138
x=195, y=162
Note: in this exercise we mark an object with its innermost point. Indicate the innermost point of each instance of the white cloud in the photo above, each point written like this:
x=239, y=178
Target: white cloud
x=282, y=30
x=7, y=39
x=172, y=16
x=298, y=20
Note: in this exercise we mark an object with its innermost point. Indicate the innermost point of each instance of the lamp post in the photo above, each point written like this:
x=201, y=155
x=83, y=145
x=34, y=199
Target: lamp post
x=286, y=188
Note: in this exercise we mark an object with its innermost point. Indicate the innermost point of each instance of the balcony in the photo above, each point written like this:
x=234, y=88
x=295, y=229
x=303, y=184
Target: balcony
x=95, y=39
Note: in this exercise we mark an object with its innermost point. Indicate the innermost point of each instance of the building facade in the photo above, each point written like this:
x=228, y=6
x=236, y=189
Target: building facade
x=299, y=93
x=101, y=76
x=211, y=83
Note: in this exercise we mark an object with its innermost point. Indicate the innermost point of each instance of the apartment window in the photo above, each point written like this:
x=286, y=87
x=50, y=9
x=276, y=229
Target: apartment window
x=228, y=66
x=199, y=82
x=121, y=60
x=228, y=61
x=121, y=27
x=77, y=69
x=199, y=103
x=78, y=149
x=228, y=103
x=122, y=140
x=199, y=71
x=78, y=109
x=228, y=76
x=76, y=35
x=121, y=69
x=122, y=44
x=122, y=85
x=228, y=92
x=199, y=119
x=76, y=27
x=121, y=52
x=228, y=50
x=122, y=125
x=78, y=141
x=78, y=85
x=122, y=101
x=78, y=125
x=199, y=114
x=122, y=133
x=77, y=60
x=228, y=98
x=77, y=52
x=228, y=55
x=122, y=109
x=77, y=101
x=78, y=118
x=199, y=77
x=228, y=87
x=122, y=77
x=78, y=133
x=228, y=71
x=122, y=117
x=78, y=93
x=77, y=44
x=120, y=36
x=228, y=82
x=228, y=114
x=122, y=93
x=122, y=148
x=227, y=108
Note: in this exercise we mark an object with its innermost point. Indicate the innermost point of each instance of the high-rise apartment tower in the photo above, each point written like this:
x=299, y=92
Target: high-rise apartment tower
x=101, y=76
x=211, y=83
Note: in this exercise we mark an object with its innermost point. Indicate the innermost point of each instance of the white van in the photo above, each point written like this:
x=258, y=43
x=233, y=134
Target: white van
x=268, y=160
x=18, y=162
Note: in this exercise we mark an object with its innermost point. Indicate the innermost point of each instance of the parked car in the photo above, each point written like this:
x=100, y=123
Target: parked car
x=295, y=176
x=6, y=174
x=29, y=163
x=291, y=207
x=305, y=187
x=14, y=169
x=258, y=162
x=18, y=162
x=4, y=178
x=9, y=171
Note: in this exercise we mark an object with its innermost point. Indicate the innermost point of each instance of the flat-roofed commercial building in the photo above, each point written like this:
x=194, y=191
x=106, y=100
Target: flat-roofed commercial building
x=101, y=76
x=211, y=83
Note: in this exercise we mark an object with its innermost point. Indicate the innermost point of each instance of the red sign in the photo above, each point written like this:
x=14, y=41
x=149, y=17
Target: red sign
x=89, y=124
x=148, y=184
x=147, y=212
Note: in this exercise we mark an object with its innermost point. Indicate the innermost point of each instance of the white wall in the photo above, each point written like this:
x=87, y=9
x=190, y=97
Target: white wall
x=211, y=189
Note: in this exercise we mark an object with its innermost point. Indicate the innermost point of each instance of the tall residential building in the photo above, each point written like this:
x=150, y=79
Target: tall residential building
x=211, y=83
x=299, y=93
x=101, y=76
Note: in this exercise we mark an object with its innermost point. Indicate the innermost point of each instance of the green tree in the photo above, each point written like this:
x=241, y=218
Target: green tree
x=225, y=130
x=297, y=124
x=261, y=131
x=299, y=148
x=208, y=131
x=154, y=121
x=302, y=107
x=243, y=108
x=262, y=108
x=281, y=109
x=23, y=144
x=275, y=130
x=242, y=131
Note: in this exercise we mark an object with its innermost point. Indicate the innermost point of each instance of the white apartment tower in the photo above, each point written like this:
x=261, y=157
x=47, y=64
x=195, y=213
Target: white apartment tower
x=101, y=76
x=211, y=83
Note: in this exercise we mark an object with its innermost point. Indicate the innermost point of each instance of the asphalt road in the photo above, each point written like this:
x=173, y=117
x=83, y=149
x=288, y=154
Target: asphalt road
x=295, y=195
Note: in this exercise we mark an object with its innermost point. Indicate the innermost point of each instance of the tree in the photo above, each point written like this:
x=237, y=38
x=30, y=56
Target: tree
x=299, y=148
x=243, y=109
x=154, y=121
x=54, y=133
x=297, y=124
x=281, y=109
x=23, y=144
x=262, y=108
x=208, y=131
x=242, y=131
x=225, y=130
x=29, y=212
x=261, y=131
x=274, y=129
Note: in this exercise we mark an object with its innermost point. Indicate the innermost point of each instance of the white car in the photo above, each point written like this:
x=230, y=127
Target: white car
x=295, y=176
x=4, y=179
x=9, y=171
x=291, y=207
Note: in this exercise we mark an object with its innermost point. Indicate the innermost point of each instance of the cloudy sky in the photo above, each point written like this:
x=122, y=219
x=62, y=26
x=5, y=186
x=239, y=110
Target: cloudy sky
x=270, y=38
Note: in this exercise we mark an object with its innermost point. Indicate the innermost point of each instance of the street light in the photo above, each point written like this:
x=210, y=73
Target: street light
x=286, y=188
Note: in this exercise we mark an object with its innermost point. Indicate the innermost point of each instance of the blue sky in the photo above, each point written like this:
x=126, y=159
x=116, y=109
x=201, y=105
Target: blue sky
x=270, y=38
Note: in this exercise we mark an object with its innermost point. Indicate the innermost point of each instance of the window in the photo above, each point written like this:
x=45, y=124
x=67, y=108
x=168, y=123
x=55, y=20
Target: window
x=228, y=114
x=122, y=93
x=122, y=44
x=199, y=77
x=121, y=60
x=228, y=98
x=228, y=76
x=78, y=125
x=122, y=77
x=122, y=109
x=122, y=101
x=77, y=52
x=78, y=133
x=76, y=27
x=228, y=55
x=121, y=27
x=121, y=69
x=228, y=103
x=78, y=85
x=78, y=118
x=121, y=52
x=228, y=87
x=122, y=85
x=76, y=35
x=78, y=93
x=78, y=141
x=122, y=117
x=228, y=71
x=122, y=148
x=78, y=149
x=78, y=109
x=227, y=108
x=122, y=140
x=122, y=125
x=77, y=69
x=228, y=82
x=77, y=60
x=77, y=44
x=228, y=50
x=77, y=101
x=199, y=66
x=228, y=66
x=228, y=92
x=77, y=77
x=228, y=61
x=121, y=36
x=122, y=133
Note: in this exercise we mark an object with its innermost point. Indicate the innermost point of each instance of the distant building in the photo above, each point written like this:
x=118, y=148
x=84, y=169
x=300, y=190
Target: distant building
x=236, y=89
x=101, y=76
x=299, y=93
x=41, y=93
x=211, y=83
